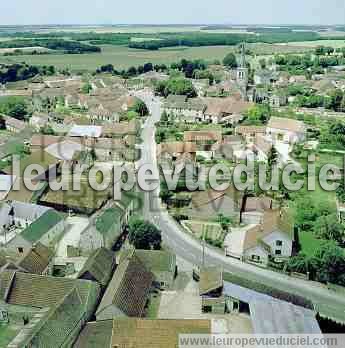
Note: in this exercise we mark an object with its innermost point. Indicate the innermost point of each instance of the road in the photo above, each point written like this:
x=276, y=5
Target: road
x=190, y=249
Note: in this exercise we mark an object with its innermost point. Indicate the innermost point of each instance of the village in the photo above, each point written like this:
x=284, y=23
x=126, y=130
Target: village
x=82, y=269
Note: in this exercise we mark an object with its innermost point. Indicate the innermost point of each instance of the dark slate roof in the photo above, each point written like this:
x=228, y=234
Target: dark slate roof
x=25, y=289
x=211, y=278
x=36, y=260
x=144, y=333
x=56, y=326
x=34, y=232
x=129, y=288
x=99, y=266
x=95, y=335
x=157, y=260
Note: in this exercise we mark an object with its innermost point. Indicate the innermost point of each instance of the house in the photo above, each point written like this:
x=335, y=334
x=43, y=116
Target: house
x=226, y=110
x=101, y=113
x=278, y=99
x=143, y=333
x=271, y=239
x=261, y=148
x=85, y=131
x=38, y=120
x=265, y=77
x=121, y=129
x=162, y=264
x=44, y=229
x=298, y=79
x=127, y=292
x=85, y=201
x=176, y=150
x=208, y=204
x=183, y=109
x=249, y=132
x=36, y=260
x=19, y=215
x=270, y=316
x=48, y=163
x=13, y=125
x=254, y=208
x=61, y=307
x=203, y=137
x=211, y=290
x=6, y=183
x=109, y=227
x=98, y=267
x=285, y=130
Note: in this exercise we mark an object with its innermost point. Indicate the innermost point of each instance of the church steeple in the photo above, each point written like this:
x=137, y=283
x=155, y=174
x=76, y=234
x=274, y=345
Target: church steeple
x=243, y=63
x=243, y=73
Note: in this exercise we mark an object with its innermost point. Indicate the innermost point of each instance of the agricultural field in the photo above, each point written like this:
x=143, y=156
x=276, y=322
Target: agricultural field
x=313, y=44
x=123, y=57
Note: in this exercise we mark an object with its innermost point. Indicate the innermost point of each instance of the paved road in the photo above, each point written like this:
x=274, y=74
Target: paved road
x=191, y=250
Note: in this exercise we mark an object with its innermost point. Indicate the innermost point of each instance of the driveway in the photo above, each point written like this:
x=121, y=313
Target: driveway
x=76, y=225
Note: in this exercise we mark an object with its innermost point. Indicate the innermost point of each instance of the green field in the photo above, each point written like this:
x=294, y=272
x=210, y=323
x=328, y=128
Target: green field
x=123, y=57
x=313, y=44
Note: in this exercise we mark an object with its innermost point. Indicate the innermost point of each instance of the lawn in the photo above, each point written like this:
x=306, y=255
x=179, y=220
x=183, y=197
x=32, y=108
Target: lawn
x=308, y=243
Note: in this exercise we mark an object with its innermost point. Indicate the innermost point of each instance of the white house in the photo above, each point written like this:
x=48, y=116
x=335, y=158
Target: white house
x=271, y=239
x=183, y=109
x=22, y=225
x=285, y=130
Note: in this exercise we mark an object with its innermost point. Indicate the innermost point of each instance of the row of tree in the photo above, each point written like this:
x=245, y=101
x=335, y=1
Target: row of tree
x=66, y=46
x=219, y=39
x=20, y=72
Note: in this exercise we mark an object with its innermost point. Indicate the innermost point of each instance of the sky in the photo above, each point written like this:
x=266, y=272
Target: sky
x=15, y=12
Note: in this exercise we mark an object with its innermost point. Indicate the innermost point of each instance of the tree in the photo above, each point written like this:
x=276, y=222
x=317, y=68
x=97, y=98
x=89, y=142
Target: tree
x=301, y=263
x=330, y=263
x=107, y=68
x=224, y=221
x=272, y=157
x=230, y=60
x=14, y=107
x=148, y=67
x=144, y=235
x=328, y=227
x=178, y=86
x=132, y=71
x=258, y=114
x=336, y=100
x=262, y=63
x=86, y=88
x=140, y=108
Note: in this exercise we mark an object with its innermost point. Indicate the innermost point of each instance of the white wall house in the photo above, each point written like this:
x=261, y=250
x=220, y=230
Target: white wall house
x=261, y=242
x=285, y=130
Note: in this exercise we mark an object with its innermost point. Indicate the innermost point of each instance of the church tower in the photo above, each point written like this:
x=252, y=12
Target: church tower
x=242, y=75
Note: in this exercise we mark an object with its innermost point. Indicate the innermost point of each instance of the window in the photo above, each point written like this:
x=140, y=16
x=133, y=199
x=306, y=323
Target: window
x=207, y=309
x=20, y=250
x=279, y=243
x=278, y=252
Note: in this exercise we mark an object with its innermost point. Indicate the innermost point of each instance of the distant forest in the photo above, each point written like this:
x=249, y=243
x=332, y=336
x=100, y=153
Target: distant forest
x=90, y=41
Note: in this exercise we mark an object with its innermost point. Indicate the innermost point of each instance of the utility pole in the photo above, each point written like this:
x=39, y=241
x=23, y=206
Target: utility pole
x=204, y=231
